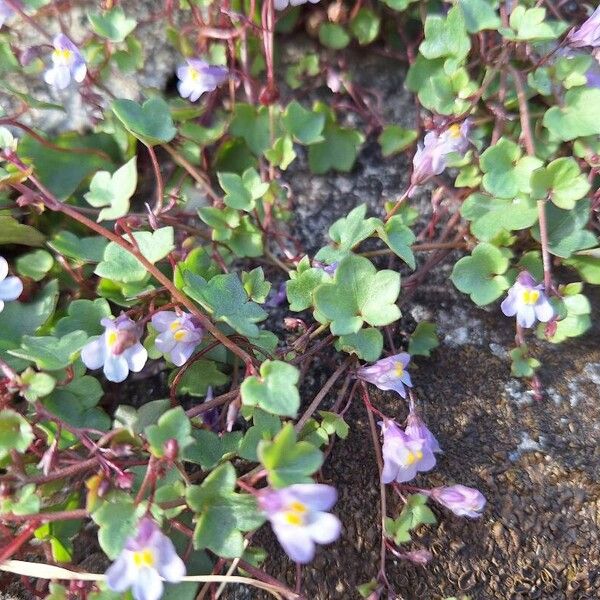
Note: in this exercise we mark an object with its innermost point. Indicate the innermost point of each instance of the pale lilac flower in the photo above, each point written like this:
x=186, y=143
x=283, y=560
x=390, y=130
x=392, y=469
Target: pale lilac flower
x=178, y=335
x=146, y=560
x=118, y=349
x=417, y=557
x=431, y=156
x=587, y=34
x=10, y=287
x=388, y=373
x=403, y=455
x=528, y=301
x=6, y=12
x=283, y=4
x=299, y=517
x=68, y=63
x=197, y=77
x=460, y=499
x=416, y=428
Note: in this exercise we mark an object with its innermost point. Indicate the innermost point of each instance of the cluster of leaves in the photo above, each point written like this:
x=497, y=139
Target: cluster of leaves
x=213, y=237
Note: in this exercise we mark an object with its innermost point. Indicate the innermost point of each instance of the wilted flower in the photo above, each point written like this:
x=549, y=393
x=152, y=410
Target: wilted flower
x=198, y=77
x=299, y=517
x=416, y=428
x=67, y=62
x=178, y=335
x=528, y=301
x=146, y=558
x=417, y=557
x=388, y=373
x=118, y=349
x=283, y=4
x=10, y=287
x=403, y=454
x=460, y=499
x=6, y=12
x=431, y=156
x=587, y=34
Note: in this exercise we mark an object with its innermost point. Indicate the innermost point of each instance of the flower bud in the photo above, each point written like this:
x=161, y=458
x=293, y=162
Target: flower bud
x=460, y=499
x=171, y=449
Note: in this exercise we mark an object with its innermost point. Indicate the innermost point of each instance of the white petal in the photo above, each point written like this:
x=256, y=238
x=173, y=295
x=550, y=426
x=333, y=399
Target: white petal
x=544, y=311
x=165, y=342
x=79, y=72
x=136, y=357
x=92, y=354
x=147, y=585
x=11, y=288
x=181, y=352
x=3, y=268
x=161, y=321
x=116, y=368
x=526, y=316
x=121, y=573
x=325, y=528
x=296, y=542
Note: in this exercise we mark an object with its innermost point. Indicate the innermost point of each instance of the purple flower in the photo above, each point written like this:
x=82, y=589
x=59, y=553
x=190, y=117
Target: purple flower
x=388, y=373
x=431, y=156
x=587, y=34
x=460, y=499
x=527, y=300
x=277, y=296
x=10, y=287
x=198, y=77
x=118, y=349
x=299, y=517
x=403, y=455
x=146, y=560
x=67, y=62
x=6, y=12
x=416, y=428
x=178, y=335
x=283, y=4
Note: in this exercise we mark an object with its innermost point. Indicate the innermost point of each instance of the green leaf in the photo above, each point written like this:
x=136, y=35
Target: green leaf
x=561, y=181
x=303, y=282
x=282, y=153
x=208, y=448
x=113, y=191
x=522, y=364
x=414, y=513
x=13, y=232
x=348, y=232
x=172, y=425
x=423, y=339
x=255, y=285
x=365, y=26
x=338, y=150
x=578, y=116
x=506, y=172
x=490, y=216
x=587, y=264
x=576, y=323
x=480, y=14
x=49, y=352
x=75, y=403
x=530, y=24
x=242, y=192
x=62, y=170
x=275, y=390
x=304, y=125
x=358, y=293
x=83, y=249
x=198, y=261
x=15, y=433
x=117, y=519
x=137, y=419
x=566, y=229
x=252, y=124
x=113, y=25
x=399, y=237
x=333, y=36
x=34, y=264
x=225, y=298
x=25, y=502
x=150, y=122
x=481, y=275
x=265, y=427
x=394, y=139
x=367, y=344
x=200, y=376
x=119, y=264
x=222, y=514
x=84, y=315
x=446, y=36
x=37, y=385
x=288, y=461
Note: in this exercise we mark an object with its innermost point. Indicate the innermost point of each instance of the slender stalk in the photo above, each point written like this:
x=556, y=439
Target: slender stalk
x=160, y=186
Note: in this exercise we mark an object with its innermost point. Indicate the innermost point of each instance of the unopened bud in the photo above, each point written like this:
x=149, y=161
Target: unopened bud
x=171, y=449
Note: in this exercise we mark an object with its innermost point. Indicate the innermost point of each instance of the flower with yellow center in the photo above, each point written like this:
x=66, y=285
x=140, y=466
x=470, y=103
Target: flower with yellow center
x=143, y=558
x=296, y=513
x=62, y=55
x=530, y=296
